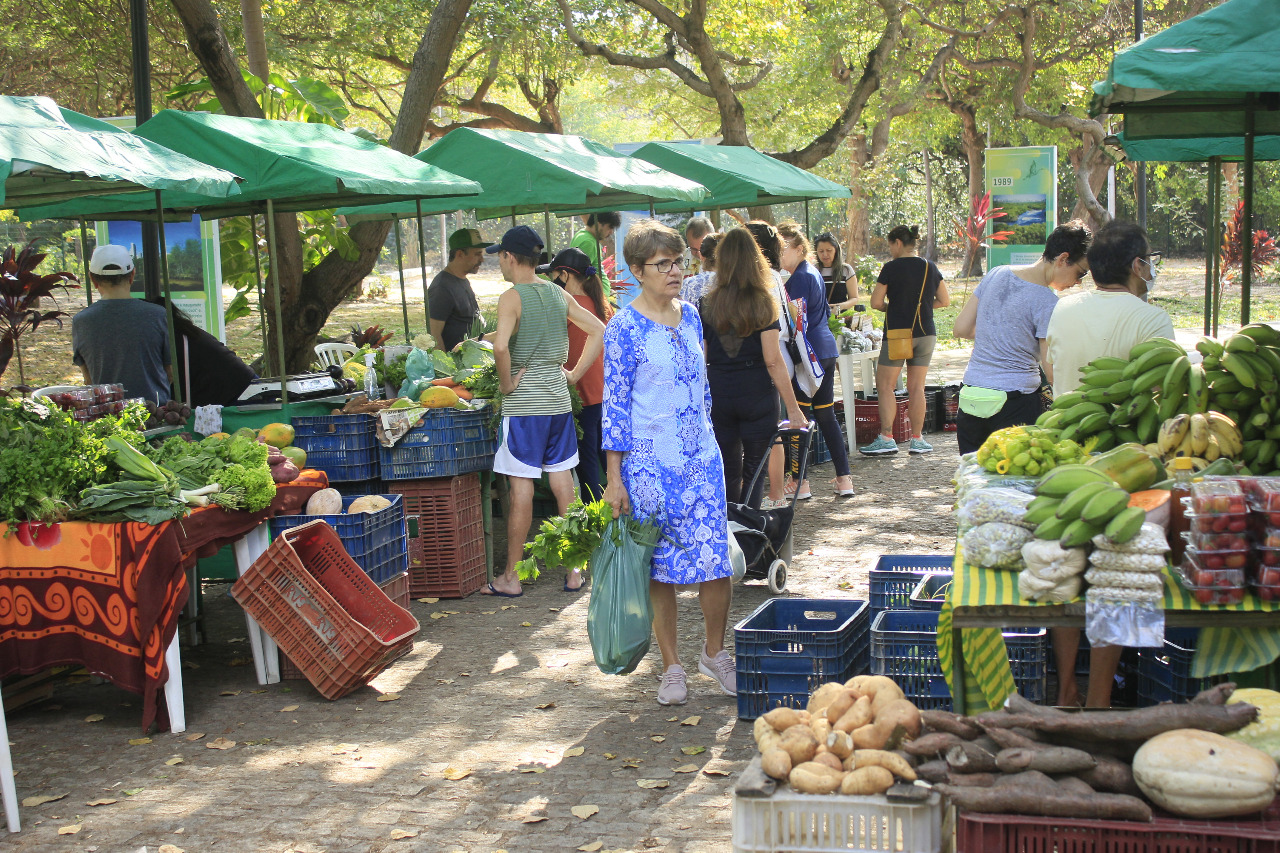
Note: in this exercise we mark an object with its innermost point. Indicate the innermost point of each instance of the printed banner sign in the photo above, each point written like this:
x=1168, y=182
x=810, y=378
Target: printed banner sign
x=1023, y=183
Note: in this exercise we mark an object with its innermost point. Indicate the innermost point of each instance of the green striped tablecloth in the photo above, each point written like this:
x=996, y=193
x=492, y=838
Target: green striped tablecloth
x=988, y=681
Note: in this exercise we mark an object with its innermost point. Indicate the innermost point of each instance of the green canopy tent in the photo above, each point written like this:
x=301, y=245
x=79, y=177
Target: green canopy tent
x=523, y=173
x=1216, y=75
x=1216, y=151
x=737, y=176
x=288, y=167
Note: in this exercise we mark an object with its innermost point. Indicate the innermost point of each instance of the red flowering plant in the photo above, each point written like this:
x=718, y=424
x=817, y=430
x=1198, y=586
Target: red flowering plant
x=1264, y=248
x=21, y=289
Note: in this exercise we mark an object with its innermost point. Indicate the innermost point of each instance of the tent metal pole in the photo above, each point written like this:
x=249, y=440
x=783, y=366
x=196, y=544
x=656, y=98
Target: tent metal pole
x=1215, y=256
x=1208, y=261
x=422, y=263
x=262, y=294
x=275, y=294
x=1246, y=236
x=404, y=301
x=163, y=257
x=546, y=226
x=807, y=229
x=84, y=258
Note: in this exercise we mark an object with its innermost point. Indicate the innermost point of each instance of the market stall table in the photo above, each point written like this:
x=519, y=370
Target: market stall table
x=982, y=601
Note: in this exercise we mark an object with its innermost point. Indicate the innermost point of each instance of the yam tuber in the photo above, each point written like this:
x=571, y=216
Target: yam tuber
x=1075, y=785
x=934, y=743
x=1009, y=739
x=776, y=764
x=867, y=780
x=1001, y=800
x=813, y=778
x=1026, y=780
x=946, y=721
x=968, y=757
x=1139, y=725
x=1046, y=759
x=1111, y=775
x=939, y=772
x=934, y=771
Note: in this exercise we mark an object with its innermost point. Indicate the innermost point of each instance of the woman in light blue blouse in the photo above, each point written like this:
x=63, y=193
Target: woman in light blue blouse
x=662, y=458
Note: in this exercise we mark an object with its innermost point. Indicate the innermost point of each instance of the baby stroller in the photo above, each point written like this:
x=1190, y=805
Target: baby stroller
x=764, y=535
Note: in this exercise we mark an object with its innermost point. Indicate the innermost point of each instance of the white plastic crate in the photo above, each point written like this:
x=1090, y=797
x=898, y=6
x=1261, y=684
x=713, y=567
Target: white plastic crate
x=835, y=823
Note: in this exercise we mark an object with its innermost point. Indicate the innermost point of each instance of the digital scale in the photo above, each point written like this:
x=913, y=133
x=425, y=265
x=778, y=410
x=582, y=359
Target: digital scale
x=304, y=386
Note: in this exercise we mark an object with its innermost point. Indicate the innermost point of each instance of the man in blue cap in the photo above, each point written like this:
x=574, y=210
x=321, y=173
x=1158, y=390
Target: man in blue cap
x=530, y=348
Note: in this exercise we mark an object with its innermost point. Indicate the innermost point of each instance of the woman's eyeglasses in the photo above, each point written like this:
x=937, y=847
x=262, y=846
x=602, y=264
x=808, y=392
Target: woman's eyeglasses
x=665, y=265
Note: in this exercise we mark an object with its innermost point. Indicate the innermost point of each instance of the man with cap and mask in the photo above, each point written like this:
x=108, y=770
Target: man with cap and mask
x=119, y=339
x=451, y=303
x=530, y=348
x=1108, y=320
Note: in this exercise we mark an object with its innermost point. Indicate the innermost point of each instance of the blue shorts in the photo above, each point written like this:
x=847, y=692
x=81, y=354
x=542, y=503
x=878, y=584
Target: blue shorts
x=532, y=444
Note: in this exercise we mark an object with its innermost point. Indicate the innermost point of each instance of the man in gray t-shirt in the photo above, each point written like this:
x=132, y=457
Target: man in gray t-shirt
x=120, y=339
x=451, y=303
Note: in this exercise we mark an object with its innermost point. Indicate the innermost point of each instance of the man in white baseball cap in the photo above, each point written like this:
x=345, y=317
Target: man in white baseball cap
x=119, y=339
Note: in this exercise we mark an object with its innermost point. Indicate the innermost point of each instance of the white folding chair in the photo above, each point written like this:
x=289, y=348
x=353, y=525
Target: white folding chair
x=331, y=354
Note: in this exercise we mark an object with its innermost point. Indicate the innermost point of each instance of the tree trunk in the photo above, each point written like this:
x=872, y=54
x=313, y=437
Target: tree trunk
x=974, y=142
x=255, y=38
x=858, y=238
x=1091, y=168
x=931, y=239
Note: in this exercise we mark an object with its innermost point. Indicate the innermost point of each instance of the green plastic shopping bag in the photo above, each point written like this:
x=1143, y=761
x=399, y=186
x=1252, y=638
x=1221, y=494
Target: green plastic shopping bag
x=620, y=615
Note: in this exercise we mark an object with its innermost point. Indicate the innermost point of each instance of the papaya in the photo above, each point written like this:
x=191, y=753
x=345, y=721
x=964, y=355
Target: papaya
x=218, y=435
x=296, y=455
x=277, y=435
x=438, y=397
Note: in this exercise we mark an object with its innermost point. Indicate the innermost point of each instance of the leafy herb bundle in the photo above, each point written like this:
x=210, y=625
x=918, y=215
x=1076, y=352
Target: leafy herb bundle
x=570, y=540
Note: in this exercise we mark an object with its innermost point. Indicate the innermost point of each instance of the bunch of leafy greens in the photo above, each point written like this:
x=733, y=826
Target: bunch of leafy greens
x=245, y=486
x=198, y=463
x=47, y=458
x=570, y=540
x=391, y=372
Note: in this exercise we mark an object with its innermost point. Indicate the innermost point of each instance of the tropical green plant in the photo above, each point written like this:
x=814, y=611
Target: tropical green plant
x=1264, y=247
x=21, y=290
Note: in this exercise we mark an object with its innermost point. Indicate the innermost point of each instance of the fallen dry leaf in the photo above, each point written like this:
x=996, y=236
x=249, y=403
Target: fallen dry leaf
x=240, y=661
x=129, y=792
x=397, y=834
x=177, y=759
x=452, y=612
x=672, y=719
x=693, y=750
x=533, y=769
x=487, y=612
x=32, y=802
x=553, y=609
x=287, y=708
x=510, y=606
x=388, y=697
x=171, y=848
x=574, y=750
x=584, y=812
x=534, y=819
x=428, y=600
x=345, y=747
x=229, y=693
x=546, y=706
x=609, y=756
x=262, y=741
x=438, y=615
x=139, y=741
x=104, y=801
x=556, y=664
x=844, y=585
x=592, y=847
x=453, y=774
x=687, y=768
x=69, y=830
x=526, y=624
x=657, y=738
x=632, y=765
x=95, y=718
x=220, y=743
x=692, y=721
x=715, y=773
x=194, y=736
x=258, y=691
x=652, y=783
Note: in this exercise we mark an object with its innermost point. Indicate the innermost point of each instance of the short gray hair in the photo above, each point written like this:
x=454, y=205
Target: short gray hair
x=647, y=238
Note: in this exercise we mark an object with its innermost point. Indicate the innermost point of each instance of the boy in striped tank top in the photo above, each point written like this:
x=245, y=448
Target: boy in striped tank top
x=530, y=347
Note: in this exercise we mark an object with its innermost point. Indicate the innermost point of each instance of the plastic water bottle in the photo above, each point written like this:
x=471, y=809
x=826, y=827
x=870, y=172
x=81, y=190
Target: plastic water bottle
x=372, y=390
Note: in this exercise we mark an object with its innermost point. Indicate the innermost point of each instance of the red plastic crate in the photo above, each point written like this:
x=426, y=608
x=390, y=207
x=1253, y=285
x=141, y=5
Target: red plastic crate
x=1002, y=833
x=396, y=589
x=866, y=418
x=446, y=557
x=323, y=611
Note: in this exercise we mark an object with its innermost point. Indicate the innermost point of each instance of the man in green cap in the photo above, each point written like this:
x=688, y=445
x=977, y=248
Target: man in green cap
x=451, y=303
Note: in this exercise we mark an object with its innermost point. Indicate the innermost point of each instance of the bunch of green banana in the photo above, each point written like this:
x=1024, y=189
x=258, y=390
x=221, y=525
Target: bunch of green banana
x=1074, y=503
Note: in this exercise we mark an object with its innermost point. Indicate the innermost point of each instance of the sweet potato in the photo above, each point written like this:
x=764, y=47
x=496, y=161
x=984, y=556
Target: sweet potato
x=813, y=778
x=782, y=718
x=776, y=764
x=867, y=780
x=839, y=706
x=874, y=686
x=829, y=760
x=766, y=736
x=824, y=696
x=945, y=721
x=890, y=761
x=1012, y=800
x=858, y=715
x=820, y=728
x=840, y=744
x=800, y=744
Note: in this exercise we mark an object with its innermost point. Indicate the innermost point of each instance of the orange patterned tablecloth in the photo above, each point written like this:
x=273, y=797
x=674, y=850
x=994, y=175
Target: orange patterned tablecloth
x=108, y=596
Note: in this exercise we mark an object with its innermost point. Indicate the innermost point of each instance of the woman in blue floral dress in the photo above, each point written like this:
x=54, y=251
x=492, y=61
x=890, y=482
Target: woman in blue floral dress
x=663, y=461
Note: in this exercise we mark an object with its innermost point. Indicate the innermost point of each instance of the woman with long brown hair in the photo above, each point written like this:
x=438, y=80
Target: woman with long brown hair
x=740, y=327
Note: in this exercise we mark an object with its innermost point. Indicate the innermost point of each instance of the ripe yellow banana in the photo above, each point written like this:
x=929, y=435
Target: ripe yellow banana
x=1199, y=432
x=1173, y=432
x=1224, y=429
x=1184, y=447
x=1212, y=450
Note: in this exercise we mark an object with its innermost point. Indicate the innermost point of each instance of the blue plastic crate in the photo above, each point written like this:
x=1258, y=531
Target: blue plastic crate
x=445, y=443
x=345, y=447
x=922, y=596
x=904, y=646
x=1164, y=674
x=894, y=578
x=377, y=541
x=789, y=646
x=358, y=488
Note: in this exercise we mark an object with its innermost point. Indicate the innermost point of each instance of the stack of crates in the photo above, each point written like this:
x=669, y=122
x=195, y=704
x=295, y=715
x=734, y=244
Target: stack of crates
x=446, y=535
x=344, y=447
x=789, y=647
x=904, y=632
x=1164, y=674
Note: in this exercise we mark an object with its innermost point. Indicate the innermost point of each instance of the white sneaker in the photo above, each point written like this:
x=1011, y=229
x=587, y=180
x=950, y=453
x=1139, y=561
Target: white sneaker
x=721, y=668
x=672, y=690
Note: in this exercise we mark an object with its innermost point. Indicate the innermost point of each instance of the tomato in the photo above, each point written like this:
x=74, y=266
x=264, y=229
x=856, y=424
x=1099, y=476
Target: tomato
x=1235, y=560
x=1204, y=596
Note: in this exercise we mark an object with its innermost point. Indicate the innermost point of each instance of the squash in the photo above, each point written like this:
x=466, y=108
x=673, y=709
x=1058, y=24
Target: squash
x=324, y=502
x=1264, y=732
x=438, y=397
x=368, y=503
x=1200, y=774
x=1155, y=503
